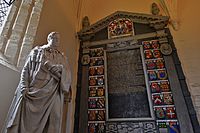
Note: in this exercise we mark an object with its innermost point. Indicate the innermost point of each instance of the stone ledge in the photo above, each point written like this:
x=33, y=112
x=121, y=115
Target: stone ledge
x=4, y=61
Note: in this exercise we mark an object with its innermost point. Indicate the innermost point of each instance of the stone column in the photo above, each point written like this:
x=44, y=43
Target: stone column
x=14, y=43
x=6, y=31
x=30, y=33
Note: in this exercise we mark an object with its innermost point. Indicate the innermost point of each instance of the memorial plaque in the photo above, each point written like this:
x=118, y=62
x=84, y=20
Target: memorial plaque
x=127, y=92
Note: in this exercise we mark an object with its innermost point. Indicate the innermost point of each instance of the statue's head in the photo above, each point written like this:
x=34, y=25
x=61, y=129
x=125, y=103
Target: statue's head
x=54, y=39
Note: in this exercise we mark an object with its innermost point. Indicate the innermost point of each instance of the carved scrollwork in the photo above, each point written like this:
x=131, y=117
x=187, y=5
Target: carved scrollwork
x=85, y=59
x=165, y=49
x=122, y=44
x=155, y=21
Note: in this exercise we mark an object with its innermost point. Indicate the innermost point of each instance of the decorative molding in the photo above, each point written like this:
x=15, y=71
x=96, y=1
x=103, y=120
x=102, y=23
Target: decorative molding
x=160, y=34
x=163, y=39
x=155, y=9
x=131, y=127
x=165, y=49
x=85, y=22
x=121, y=44
x=157, y=22
x=85, y=59
x=170, y=8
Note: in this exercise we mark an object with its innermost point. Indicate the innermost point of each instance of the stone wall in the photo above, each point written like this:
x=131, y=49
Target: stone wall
x=8, y=81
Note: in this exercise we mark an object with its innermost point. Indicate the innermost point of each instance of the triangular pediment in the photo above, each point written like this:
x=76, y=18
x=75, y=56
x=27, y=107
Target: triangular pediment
x=157, y=22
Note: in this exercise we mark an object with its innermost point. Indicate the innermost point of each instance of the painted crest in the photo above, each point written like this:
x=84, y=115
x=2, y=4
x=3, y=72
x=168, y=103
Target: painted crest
x=164, y=86
x=170, y=113
x=101, y=115
x=92, y=71
x=92, y=103
x=160, y=113
x=101, y=103
x=152, y=75
x=100, y=92
x=146, y=45
x=157, y=53
x=92, y=81
x=167, y=98
x=92, y=128
x=155, y=87
x=100, y=70
x=160, y=64
x=92, y=115
x=148, y=54
x=92, y=92
x=120, y=27
x=100, y=81
x=174, y=127
x=162, y=74
x=155, y=44
x=101, y=128
x=150, y=64
x=99, y=62
x=157, y=99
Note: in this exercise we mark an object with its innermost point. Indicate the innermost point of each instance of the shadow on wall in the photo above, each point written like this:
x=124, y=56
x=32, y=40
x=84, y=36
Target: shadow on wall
x=9, y=79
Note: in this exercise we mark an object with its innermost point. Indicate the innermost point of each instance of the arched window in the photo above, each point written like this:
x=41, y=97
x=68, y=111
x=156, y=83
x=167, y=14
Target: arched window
x=16, y=36
x=5, y=6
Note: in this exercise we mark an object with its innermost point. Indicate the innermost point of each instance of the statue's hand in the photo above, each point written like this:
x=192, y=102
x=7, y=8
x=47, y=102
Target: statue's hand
x=56, y=70
x=24, y=92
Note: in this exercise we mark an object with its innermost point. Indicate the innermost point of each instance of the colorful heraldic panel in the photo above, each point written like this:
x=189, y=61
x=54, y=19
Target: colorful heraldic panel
x=96, y=128
x=120, y=27
x=162, y=97
x=96, y=92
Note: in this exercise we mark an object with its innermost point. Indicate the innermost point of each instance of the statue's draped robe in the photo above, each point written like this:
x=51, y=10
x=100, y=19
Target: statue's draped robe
x=41, y=109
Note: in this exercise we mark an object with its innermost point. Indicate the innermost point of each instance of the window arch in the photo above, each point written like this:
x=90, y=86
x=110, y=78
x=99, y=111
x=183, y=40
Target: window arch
x=4, y=11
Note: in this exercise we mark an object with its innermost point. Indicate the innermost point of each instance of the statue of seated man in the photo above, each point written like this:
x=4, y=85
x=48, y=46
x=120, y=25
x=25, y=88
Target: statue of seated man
x=38, y=103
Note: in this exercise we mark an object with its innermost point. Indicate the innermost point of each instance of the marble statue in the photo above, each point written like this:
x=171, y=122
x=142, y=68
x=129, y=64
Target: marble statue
x=38, y=103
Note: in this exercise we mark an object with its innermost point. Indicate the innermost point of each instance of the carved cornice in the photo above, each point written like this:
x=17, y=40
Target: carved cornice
x=157, y=22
